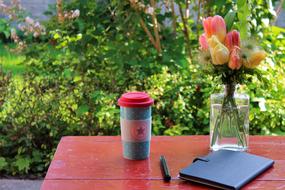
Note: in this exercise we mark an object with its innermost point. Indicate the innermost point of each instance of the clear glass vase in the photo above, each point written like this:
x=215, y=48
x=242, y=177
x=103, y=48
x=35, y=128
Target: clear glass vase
x=229, y=120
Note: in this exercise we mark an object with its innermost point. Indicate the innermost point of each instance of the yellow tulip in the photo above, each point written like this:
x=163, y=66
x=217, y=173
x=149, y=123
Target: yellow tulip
x=219, y=53
x=254, y=59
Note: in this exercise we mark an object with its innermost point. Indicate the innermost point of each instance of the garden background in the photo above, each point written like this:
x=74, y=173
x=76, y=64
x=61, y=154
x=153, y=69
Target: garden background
x=63, y=75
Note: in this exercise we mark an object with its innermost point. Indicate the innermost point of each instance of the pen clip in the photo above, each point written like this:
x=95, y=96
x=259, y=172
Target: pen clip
x=201, y=159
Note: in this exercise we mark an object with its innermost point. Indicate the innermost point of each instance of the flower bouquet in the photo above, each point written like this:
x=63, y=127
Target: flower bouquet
x=225, y=56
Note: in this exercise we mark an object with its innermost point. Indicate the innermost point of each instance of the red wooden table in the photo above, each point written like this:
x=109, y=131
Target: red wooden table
x=96, y=163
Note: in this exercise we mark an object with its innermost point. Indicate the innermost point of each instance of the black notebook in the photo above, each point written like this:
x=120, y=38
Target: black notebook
x=226, y=169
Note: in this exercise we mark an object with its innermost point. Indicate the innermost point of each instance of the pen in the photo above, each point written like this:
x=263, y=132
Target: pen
x=164, y=169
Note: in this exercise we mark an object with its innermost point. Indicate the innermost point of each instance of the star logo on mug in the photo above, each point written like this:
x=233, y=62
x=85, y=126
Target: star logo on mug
x=139, y=132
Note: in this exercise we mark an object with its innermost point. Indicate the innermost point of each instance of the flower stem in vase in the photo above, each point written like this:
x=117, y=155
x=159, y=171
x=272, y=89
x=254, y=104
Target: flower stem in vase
x=240, y=128
x=228, y=122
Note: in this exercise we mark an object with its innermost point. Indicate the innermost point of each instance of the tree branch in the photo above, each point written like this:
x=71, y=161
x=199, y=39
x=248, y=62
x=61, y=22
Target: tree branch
x=278, y=10
x=198, y=19
x=174, y=20
x=185, y=31
x=151, y=38
x=155, y=41
x=187, y=11
x=155, y=26
x=59, y=11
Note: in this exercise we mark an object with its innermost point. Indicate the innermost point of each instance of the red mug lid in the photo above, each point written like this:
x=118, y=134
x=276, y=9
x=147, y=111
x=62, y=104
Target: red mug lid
x=135, y=99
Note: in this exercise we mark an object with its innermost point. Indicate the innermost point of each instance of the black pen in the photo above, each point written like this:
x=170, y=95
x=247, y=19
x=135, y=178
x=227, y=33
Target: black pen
x=164, y=169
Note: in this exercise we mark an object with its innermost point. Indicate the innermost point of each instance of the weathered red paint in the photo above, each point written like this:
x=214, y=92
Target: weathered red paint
x=97, y=163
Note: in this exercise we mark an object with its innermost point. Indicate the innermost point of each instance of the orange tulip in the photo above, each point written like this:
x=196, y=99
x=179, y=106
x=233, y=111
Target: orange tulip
x=254, y=59
x=203, y=42
x=215, y=26
x=232, y=39
x=219, y=52
x=235, y=58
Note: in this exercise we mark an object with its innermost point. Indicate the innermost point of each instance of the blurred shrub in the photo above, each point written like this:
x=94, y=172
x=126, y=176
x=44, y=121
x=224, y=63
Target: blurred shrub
x=85, y=63
x=270, y=119
x=39, y=110
x=5, y=30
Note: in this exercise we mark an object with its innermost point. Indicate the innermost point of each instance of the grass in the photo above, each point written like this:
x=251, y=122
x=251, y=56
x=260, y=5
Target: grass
x=11, y=62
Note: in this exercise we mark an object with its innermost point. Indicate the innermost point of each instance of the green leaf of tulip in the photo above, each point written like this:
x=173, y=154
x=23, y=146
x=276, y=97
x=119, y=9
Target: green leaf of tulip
x=229, y=19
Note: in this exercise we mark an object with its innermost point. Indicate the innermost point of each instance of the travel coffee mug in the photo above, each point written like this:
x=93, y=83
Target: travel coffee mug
x=135, y=118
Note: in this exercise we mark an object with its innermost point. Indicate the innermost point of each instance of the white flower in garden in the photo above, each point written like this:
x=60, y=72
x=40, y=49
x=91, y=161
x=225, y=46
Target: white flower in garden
x=133, y=1
x=36, y=34
x=37, y=25
x=149, y=10
x=141, y=6
x=65, y=15
x=21, y=27
x=2, y=5
x=29, y=20
x=13, y=33
x=21, y=46
x=76, y=13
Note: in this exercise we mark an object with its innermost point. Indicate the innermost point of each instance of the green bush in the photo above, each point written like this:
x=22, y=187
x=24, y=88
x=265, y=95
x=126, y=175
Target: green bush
x=5, y=30
x=82, y=66
x=271, y=120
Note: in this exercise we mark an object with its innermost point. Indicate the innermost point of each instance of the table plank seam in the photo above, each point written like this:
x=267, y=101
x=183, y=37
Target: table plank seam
x=151, y=179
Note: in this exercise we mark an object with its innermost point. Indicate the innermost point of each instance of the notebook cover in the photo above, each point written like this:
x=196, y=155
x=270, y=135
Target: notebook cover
x=226, y=169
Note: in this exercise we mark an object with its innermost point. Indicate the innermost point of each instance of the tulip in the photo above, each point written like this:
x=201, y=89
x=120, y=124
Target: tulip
x=232, y=39
x=254, y=59
x=203, y=42
x=215, y=26
x=219, y=52
x=235, y=58
x=207, y=24
x=219, y=27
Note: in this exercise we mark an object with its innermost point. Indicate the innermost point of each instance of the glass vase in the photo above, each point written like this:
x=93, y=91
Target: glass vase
x=229, y=122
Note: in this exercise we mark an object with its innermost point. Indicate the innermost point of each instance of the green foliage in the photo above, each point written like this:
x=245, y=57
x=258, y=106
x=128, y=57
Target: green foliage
x=3, y=163
x=23, y=164
x=39, y=110
x=4, y=29
x=243, y=13
x=271, y=89
x=11, y=62
x=182, y=94
x=229, y=19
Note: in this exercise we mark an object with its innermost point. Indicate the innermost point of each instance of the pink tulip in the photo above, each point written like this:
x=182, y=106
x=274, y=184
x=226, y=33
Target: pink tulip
x=215, y=26
x=232, y=40
x=235, y=58
x=203, y=42
x=207, y=24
